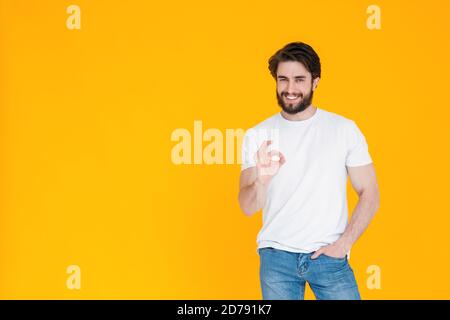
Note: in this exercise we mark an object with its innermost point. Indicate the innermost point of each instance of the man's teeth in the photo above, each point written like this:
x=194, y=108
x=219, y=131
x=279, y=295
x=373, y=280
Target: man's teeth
x=291, y=97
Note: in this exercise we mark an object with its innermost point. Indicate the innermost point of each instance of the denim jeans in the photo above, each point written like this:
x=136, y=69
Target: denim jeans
x=283, y=276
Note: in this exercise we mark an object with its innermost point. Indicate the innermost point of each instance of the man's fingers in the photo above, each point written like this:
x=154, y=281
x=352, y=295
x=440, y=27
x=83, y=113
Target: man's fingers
x=276, y=156
x=265, y=145
x=273, y=155
x=262, y=152
x=282, y=158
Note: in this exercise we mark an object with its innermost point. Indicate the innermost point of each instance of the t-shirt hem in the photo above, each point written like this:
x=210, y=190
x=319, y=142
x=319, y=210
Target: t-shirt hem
x=277, y=245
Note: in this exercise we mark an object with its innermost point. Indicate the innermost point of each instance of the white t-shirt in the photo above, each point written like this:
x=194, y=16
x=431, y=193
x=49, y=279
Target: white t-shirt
x=306, y=204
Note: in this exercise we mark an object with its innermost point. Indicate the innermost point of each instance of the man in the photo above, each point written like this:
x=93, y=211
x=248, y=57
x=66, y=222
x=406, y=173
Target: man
x=300, y=184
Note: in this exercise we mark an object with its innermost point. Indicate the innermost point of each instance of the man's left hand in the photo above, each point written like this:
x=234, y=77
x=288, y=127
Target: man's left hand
x=335, y=250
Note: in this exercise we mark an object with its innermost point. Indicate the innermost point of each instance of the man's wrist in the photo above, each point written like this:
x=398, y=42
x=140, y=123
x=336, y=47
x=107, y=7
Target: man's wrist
x=261, y=182
x=345, y=243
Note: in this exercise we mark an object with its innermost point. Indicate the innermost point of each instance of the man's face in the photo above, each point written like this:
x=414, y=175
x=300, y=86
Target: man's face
x=294, y=86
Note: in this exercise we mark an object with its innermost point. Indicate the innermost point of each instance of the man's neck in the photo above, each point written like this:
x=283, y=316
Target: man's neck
x=300, y=116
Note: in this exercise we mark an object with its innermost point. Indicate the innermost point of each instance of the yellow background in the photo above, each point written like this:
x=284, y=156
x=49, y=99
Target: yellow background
x=86, y=117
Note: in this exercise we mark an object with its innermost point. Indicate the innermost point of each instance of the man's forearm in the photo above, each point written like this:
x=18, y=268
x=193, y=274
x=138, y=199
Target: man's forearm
x=363, y=213
x=253, y=197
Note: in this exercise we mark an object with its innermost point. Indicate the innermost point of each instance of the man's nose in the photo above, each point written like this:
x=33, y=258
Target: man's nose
x=290, y=87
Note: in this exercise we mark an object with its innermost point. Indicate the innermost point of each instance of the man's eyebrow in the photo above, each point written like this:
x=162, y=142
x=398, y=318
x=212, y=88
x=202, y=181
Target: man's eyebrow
x=297, y=77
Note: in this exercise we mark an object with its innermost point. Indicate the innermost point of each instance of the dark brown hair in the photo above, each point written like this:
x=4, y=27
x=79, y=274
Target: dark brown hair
x=296, y=51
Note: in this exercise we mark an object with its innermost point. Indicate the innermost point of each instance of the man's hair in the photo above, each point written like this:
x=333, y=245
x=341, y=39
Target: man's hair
x=296, y=51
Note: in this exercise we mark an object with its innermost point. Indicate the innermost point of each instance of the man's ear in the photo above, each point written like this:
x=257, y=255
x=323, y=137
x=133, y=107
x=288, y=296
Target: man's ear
x=315, y=83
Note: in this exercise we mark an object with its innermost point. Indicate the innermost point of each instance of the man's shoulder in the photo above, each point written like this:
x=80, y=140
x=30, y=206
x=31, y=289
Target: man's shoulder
x=336, y=119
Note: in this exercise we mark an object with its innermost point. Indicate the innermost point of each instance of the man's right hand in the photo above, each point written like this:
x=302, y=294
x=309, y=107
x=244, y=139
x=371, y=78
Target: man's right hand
x=268, y=162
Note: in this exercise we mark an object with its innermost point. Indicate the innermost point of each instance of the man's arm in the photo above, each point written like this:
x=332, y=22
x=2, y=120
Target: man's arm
x=252, y=193
x=254, y=181
x=365, y=184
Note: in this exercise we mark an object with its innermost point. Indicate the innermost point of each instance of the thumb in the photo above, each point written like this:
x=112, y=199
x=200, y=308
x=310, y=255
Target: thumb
x=316, y=254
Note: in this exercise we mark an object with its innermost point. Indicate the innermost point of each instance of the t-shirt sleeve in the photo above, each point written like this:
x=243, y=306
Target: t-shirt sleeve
x=357, y=148
x=249, y=149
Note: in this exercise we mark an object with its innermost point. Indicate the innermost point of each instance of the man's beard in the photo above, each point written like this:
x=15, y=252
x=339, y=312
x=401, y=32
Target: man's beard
x=304, y=103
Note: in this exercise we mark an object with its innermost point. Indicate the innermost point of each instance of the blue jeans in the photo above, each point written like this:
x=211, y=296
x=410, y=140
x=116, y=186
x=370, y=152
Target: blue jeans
x=283, y=276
